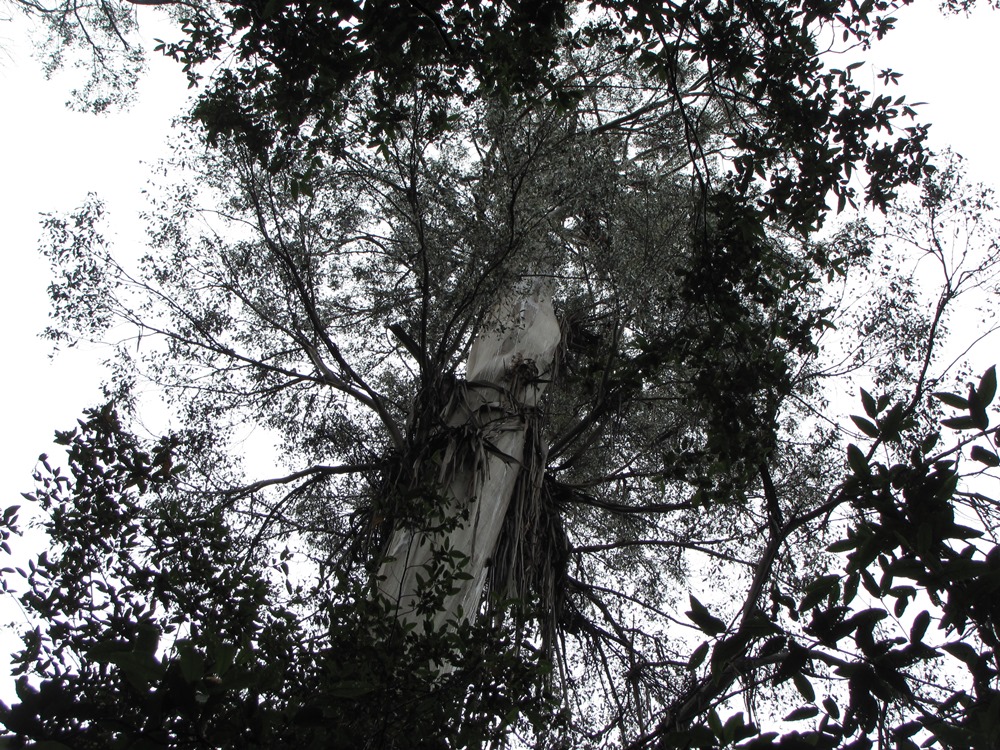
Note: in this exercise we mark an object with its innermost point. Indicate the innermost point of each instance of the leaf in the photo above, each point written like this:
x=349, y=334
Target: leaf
x=958, y=531
x=892, y=423
x=192, y=663
x=899, y=607
x=763, y=741
x=105, y=650
x=870, y=584
x=818, y=590
x=959, y=423
x=223, y=656
x=857, y=461
x=715, y=723
x=843, y=545
x=736, y=729
x=831, y=707
x=147, y=638
x=698, y=656
x=987, y=388
x=804, y=687
x=728, y=649
x=771, y=646
x=704, y=619
x=851, y=587
x=759, y=625
x=919, y=627
x=871, y=408
x=140, y=669
x=802, y=713
x=952, y=400
x=977, y=411
x=824, y=583
x=865, y=426
x=928, y=443
x=963, y=652
x=983, y=456
x=351, y=689
x=907, y=729
x=698, y=736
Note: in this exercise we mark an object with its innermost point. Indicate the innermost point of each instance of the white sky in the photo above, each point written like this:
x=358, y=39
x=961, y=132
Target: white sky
x=50, y=158
x=951, y=64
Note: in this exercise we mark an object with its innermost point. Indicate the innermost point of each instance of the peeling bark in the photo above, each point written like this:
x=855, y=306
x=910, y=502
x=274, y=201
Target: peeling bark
x=509, y=367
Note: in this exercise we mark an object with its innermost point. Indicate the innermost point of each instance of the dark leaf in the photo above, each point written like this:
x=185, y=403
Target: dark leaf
x=960, y=423
x=987, y=388
x=804, y=687
x=963, y=652
x=984, y=456
x=831, y=708
x=865, y=426
x=704, y=619
x=952, y=400
x=977, y=410
x=698, y=656
x=844, y=545
x=871, y=408
x=802, y=713
x=857, y=461
x=919, y=627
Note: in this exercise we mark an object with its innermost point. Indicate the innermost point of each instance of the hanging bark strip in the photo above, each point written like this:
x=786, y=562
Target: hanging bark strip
x=509, y=367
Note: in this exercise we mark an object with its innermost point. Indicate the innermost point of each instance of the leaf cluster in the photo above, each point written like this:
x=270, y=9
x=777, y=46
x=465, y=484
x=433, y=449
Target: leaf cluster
x=158, y=627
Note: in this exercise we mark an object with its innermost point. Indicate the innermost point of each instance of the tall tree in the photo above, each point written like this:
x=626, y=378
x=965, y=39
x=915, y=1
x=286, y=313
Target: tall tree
x=599, y=558
x=349, y=286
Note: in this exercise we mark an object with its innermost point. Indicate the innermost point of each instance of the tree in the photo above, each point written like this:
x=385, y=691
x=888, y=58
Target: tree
x=302, y=75
x=133, y=562
x=332, y=294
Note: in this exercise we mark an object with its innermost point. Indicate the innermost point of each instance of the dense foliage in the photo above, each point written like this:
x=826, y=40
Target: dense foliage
x=184, y=642
x=698, y=547
x=298, y=75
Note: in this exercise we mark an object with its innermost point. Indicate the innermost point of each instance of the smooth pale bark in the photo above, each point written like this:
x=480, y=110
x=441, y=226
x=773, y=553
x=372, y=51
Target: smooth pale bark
x=509, y=367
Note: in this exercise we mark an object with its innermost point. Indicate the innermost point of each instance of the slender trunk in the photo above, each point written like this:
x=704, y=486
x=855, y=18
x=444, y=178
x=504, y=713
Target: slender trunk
x=509, y=367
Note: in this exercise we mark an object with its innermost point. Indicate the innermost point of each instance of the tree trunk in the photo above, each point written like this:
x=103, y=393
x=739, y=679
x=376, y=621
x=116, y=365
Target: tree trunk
x=509, y=367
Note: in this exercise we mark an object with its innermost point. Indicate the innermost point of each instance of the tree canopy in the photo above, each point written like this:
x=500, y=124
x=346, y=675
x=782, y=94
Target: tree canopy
x=302, y=76
x=695, y=553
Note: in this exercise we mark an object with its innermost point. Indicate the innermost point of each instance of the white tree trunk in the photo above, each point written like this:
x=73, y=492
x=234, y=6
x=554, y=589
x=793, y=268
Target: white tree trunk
x=508, y=369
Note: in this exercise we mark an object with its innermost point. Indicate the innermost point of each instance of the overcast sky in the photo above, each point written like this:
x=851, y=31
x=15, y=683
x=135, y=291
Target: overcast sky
x=51, y=158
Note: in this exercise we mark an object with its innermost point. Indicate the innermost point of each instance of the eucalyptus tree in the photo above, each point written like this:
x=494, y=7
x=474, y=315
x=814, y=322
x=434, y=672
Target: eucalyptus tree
x=340, y=315
x=343, y=313
x=658, y=564
x=355, y=263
